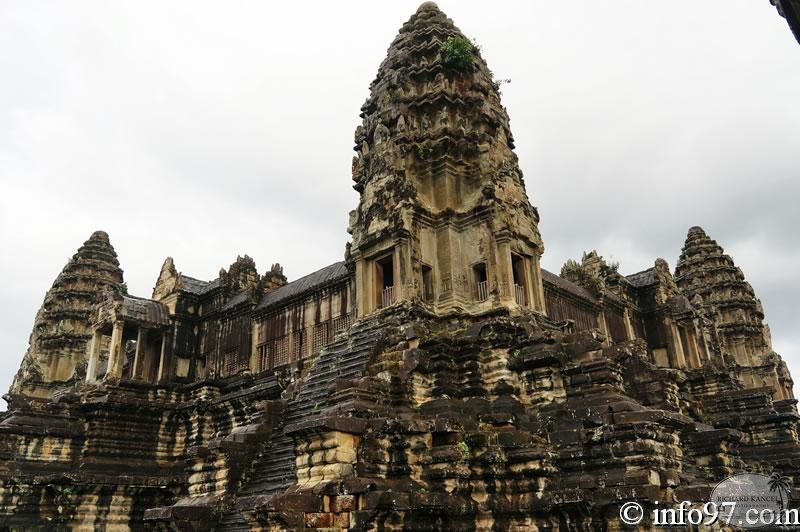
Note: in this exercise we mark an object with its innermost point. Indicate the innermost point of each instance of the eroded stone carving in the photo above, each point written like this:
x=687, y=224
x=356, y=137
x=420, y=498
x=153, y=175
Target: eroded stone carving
x=436, y=379
x=60, y=334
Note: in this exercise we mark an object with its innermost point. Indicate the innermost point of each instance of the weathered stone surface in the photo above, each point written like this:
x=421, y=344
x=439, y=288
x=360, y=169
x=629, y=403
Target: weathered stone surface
x=437, y=379
x=57, y=356
x=441, y=191
x=718, y=289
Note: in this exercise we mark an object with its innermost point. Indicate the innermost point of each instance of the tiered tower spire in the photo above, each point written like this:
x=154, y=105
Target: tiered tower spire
x=443, y=216
x=58, y=344
x=716, y=287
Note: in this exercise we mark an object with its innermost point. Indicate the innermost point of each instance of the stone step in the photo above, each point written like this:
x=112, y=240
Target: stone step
x=274, y=469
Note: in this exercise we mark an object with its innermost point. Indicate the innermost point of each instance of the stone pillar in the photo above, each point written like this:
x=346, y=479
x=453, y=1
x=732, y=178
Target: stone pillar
x=162, y=356
x=403, y=271
x=114, y=370
x=629, y=331
x=141, y=350
x=462, y=294
x=505, y=276
x=677, y=357
x=444, y=263
x=256, y=340
x=694, y=348
x=602, y=324
x=528, y=286
x=536, y=284
x=363, y=288
x=94, y=355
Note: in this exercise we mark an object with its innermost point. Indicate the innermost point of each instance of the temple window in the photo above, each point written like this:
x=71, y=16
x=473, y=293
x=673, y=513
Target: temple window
x=321, y=335
x=298, y=345
x=427, y=283
x=273, y=353
x=231, y=361
x=384, y=277
x=264, y=362
x=341, y=323
x=481, y=281
x=520, y=284
x=281, y=351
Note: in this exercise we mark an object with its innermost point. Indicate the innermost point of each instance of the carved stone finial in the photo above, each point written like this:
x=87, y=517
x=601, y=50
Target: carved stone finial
x=590, y=273
x=168, y=280
x=241, y=275
x=696, y=232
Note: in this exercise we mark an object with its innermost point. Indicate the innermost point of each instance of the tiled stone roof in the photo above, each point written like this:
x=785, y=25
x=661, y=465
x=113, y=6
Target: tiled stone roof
x=643, y=278
x=144, y=310
x=568, y=286
x=335, y=271
x=196, y=286
x=236, y=300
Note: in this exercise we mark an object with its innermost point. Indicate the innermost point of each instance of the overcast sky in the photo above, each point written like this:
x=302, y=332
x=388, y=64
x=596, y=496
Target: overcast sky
x=206, y=130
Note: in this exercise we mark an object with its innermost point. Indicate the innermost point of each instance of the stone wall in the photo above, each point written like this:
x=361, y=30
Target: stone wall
x=509, y=423
x=436, y=379
x=102, y=456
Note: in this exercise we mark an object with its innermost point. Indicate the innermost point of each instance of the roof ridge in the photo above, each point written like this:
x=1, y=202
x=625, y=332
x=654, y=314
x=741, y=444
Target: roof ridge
x=641, y=271
x=195, y=278
x=304, y=284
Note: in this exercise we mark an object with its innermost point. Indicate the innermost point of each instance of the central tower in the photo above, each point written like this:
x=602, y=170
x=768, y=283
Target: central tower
x=443, y=217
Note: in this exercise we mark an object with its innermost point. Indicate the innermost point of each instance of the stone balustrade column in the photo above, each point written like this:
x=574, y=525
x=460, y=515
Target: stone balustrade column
x=94, y=355
x=114, y=370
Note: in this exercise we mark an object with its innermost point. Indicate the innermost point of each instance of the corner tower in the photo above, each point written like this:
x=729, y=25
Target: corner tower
x=57, y=355
x=443, y=217
x=718, y=289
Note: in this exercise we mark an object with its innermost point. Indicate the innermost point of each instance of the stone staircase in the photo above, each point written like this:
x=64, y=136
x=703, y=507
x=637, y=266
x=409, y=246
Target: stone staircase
x=214, y=468
x=274, y=469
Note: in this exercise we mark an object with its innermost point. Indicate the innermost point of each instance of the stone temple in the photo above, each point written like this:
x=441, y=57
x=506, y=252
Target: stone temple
x=435, y=379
